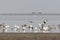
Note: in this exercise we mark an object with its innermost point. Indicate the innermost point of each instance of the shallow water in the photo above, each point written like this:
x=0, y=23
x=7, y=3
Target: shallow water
x=24, y=19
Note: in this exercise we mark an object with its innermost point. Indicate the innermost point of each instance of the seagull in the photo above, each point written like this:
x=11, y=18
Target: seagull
x=30, y=27
x=16, y=28
x=36, y=29
x=6, y=28
x=47, y=29
x=24, y=27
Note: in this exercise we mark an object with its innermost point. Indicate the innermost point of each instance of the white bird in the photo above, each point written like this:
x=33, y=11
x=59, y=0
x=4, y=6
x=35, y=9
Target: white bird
x=36, y=28
x=16, y=28
x=47, y=29
x=7, y=26
x=24, y=28
x=30, y=27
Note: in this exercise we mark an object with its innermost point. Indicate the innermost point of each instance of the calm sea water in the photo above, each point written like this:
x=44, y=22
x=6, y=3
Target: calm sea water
x=24, y=19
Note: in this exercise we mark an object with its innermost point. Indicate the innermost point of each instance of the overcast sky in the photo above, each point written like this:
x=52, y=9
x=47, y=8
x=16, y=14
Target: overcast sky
x=28, y=6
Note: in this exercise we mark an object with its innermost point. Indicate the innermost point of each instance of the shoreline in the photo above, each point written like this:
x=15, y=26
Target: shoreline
x=29, y=36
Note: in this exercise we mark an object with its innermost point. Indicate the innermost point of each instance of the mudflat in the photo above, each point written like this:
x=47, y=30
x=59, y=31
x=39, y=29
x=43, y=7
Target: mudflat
x=29, y=36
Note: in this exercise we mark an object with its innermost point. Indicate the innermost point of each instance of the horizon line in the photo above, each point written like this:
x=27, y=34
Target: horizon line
x=29, y=14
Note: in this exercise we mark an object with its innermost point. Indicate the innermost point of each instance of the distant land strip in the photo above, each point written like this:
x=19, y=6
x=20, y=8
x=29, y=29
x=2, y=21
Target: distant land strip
x=27, y=14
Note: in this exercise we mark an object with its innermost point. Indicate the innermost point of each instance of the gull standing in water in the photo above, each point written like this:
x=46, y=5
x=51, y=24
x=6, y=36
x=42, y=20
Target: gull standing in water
x=16, y=28
x=24, y=27
x=36, y=29
x=4, y=27
x=30, y=26
x=46, y=29
x=42, y=25
x=43, y=28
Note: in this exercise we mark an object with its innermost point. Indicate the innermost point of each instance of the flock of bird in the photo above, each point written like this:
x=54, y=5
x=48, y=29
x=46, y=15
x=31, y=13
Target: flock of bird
x=30, y=27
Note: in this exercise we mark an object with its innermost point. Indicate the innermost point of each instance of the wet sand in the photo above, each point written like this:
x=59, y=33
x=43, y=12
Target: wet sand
x=29, y=36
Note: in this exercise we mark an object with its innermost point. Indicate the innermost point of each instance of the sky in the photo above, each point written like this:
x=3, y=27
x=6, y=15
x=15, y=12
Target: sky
x=28, y=6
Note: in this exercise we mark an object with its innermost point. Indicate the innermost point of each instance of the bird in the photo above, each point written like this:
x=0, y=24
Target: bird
x=30, y=27
x=16, y=28
x=4, y=27
x=47, y=29
x=7, y=26
x=44, y=21
x=36, y=29
x=24, y=27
